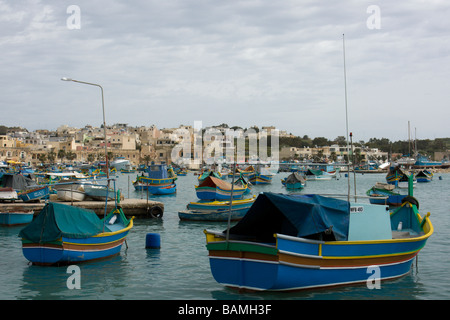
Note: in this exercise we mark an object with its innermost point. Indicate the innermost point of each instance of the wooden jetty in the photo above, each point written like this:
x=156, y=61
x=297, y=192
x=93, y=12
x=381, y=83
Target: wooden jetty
x=139, y=208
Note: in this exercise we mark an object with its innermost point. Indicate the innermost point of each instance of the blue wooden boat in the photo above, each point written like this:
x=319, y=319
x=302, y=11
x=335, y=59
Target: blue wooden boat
x=213, y=215
x=295, y=242
x=15, y=217
x=424, y=162
x=159, y=180
x=205, y=210
x=34, y=194
x=216, y=189
x=383, y=194
x=294, y=182
x=424, y=176
x=207, y=205
x=261, y=176
x=63, y=234
x=394, y=175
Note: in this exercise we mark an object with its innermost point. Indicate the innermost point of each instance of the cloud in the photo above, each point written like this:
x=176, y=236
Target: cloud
x=240, y=62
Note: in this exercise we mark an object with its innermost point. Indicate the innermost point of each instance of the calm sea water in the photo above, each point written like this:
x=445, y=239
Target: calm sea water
x=180, y=269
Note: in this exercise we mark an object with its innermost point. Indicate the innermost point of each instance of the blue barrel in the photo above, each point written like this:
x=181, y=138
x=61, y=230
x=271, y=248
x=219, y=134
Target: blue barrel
x=153, y=241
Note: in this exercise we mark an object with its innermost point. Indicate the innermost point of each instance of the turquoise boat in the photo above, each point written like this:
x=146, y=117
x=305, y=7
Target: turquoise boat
x=15, y=217
x=294, y=182
x=63, y=234
x=296, y=242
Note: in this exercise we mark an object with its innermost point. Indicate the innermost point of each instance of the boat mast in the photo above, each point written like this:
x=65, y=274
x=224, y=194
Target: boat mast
x=346, y=123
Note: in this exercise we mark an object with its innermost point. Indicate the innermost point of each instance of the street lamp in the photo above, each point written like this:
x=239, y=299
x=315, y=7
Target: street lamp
x=104, y=123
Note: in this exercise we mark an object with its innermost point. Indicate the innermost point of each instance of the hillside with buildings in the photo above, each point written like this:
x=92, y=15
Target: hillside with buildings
x=144, y=144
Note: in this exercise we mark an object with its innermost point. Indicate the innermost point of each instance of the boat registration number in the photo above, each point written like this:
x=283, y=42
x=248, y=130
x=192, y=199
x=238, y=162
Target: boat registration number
x=358, y=209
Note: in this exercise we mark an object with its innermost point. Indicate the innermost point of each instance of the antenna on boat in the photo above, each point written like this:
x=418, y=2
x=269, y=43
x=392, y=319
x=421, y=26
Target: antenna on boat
x=231, y=201
x=346, y=123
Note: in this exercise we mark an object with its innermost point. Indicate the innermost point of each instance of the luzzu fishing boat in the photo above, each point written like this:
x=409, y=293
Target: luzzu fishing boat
x=384, y=194
x=216, y=189
x=159, y=180
x=63, y=234
x=205, y=210
x=424, y=176
x=34, y=194
x=15, y=217
x=295, y=242
x=294, y=181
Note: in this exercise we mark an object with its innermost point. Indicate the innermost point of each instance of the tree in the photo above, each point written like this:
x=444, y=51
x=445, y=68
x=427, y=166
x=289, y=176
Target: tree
x=147, y=159
x=341, y=141
x=320, y=141
x=61, y=154
x=42, y=157
x=91, y=157
x=71, y=155
x=51, y=156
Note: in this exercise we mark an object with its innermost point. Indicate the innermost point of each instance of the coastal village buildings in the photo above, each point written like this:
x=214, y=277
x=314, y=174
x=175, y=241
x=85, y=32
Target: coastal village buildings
x=145, y=144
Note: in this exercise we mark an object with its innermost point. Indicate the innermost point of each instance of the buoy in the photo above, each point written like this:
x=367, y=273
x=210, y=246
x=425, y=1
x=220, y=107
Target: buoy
x=440, y=177
x=153, y=241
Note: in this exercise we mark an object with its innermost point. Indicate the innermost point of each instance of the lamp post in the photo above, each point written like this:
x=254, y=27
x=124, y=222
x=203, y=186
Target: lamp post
x=104, y=123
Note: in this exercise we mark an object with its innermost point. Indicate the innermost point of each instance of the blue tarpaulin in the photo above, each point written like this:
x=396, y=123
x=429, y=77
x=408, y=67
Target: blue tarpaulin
x=294, y=215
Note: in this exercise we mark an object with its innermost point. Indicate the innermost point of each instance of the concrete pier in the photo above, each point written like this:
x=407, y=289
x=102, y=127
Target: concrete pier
x=139, y=208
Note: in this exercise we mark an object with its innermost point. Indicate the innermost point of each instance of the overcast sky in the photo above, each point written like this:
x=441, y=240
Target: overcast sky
x=244, y=63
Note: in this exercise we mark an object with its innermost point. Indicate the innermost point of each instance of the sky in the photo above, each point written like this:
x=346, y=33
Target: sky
x=243, y=63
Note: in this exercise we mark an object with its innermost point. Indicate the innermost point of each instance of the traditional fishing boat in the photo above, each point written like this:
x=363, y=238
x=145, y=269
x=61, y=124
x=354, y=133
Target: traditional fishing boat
x=207, y=205
x=294, y=181
x=34, y=194
x=261, y=176
x=248, y=173
x=424, y=176
x=295, y=242
x=15, y=217
x=12, y=184
x=8, y=194
x=71, y=192
x=99, y=192
x=204, y=210
x=208, y=173
x=384, y=194
x=394, y=175
x=63, y=234
x=159, y=180
x=216, y=189
x=319, y=175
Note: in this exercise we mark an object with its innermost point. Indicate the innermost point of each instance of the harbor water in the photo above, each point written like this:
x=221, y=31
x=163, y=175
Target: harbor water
x=180, y=268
